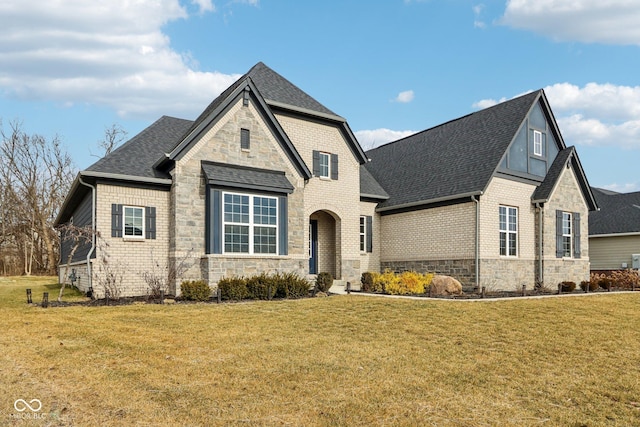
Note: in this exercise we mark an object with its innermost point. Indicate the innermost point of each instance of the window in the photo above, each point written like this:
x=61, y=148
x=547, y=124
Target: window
x=325, y=165
x=245, y=139
x=363, y=233
x=366, y=232
x=537, y=143
x=567, y=235
x=250, y=224
x=133, y=222
x=508, y=231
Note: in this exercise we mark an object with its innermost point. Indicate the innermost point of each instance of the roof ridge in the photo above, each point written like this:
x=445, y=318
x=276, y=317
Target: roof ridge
x=483, y=110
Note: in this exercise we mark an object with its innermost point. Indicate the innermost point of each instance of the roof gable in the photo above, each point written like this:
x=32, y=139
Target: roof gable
x=453, y=160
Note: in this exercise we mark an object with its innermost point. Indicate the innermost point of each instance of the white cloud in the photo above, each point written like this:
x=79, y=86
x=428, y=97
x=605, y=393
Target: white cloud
x=477, y=12
x=628, y=187
x=369, y=139
x=596, y=114
x=589, y=21
x=110, y=53
x=405, y=97
x=204, y=5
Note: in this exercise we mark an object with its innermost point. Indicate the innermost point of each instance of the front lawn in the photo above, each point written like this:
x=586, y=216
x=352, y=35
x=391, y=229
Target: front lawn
x=342, y=360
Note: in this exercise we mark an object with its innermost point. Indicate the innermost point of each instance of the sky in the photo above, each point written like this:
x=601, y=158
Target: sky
x=73, y=68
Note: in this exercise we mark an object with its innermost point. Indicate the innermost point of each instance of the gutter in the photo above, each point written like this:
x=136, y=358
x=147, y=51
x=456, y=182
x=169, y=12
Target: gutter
x=132, y=178
x=431, y=201
x=93, y=231
x=540, y=211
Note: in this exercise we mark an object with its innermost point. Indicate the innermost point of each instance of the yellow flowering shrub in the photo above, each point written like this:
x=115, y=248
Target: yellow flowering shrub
x=407, y=283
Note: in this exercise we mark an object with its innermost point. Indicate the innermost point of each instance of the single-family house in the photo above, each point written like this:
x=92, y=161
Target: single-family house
x=614, y=231
x=268, y=179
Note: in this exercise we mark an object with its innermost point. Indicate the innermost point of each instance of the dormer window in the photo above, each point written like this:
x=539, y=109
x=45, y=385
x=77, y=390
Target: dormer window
x=537, y=143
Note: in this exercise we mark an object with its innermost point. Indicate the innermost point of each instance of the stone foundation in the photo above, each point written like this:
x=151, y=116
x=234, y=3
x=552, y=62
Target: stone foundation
x=215, y=267
x=462, y=269
x=507, y=274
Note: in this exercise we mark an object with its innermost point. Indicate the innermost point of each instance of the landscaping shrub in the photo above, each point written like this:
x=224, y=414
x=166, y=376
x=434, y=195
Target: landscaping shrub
x=407, y=283
x=601, y=280
x=625, y=279
x=592, y=285
x=262, y=286
x=290, y=285
x=195, y=290
x=324, y=281
x=568, y=286
x=233, y=288
x=371, y=282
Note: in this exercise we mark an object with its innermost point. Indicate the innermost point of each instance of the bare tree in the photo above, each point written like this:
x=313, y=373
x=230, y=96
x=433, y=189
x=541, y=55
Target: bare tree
x=114, y=135
x=37, y=175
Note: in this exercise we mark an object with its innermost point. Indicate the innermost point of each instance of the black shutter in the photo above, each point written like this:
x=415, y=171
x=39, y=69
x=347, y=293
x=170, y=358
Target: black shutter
x=316, y=163
x=334, y=166
x=116, y=220
x=245, y=139
x=216, y=225
x=576, y=235
x=369, y=231
x=283, y=233
x=150, y=222
x=559, y=246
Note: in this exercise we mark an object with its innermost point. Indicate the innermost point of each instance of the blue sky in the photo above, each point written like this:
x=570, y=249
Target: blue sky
x=73, y=68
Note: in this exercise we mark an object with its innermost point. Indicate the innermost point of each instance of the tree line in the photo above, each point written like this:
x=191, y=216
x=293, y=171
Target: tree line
x=36, y=174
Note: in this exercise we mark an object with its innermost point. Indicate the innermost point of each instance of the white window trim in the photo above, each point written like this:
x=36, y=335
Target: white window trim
x=328, y=157
x=251, y=224
x=508, y=232
x=363, y=234
x=124, y=223
x=537, y=143
x=569, y=235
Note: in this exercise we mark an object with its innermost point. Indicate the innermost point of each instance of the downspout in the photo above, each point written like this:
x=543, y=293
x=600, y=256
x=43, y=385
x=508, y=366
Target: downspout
x=540, y=211
x=476, y=201
x=93, y=233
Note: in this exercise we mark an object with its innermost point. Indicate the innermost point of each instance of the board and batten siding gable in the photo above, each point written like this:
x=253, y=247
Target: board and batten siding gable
x=81, y=218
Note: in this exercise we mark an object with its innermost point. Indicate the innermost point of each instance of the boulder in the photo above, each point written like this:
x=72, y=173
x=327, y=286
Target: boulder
x=445, y=285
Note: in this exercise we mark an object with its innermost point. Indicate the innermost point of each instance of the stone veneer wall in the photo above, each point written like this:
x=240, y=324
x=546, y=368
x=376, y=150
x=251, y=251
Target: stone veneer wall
x=215, y=267
x=567, y=196
x=370, y=261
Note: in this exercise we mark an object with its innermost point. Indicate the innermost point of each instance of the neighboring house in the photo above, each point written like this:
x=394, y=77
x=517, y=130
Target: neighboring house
x=268, y=179
x=494, y=198
x=614, y=231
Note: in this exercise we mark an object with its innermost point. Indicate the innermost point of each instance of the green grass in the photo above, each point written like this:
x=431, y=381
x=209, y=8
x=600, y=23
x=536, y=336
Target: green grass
x=348, y=360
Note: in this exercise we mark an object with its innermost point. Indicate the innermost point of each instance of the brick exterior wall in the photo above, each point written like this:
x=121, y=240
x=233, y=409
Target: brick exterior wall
x=567, y=196
x=340, y=198
x=502, y=272
x=440, y=239
x=370, y=261
x=126, y=256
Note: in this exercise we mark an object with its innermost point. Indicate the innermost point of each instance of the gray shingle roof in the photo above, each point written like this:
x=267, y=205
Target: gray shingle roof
x=369, y=187
x=138, y=155
x=246, y=177
x=619, y=213
x=455, y=158
x=545, y=189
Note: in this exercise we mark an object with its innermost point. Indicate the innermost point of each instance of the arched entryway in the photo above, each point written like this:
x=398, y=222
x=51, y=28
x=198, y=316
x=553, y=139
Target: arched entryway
x=324, y=243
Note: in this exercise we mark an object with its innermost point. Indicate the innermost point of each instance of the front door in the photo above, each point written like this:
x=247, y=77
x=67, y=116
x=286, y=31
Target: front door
x=313, y=246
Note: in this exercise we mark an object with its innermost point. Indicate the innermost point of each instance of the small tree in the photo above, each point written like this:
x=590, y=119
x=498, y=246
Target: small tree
x=76, y=237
